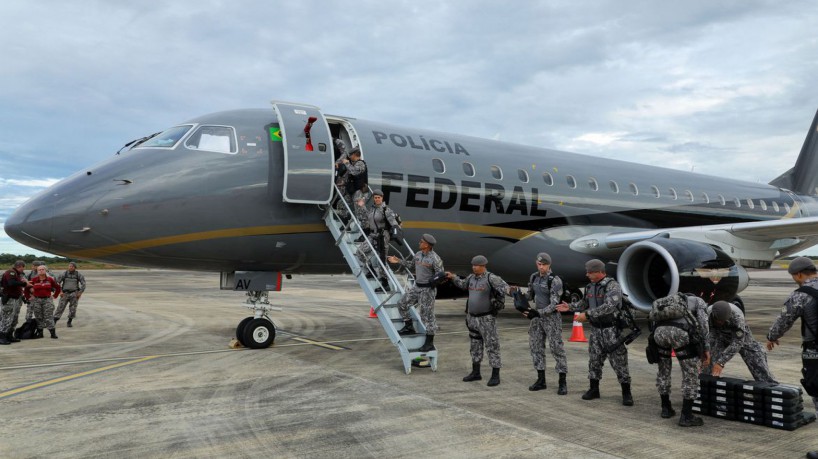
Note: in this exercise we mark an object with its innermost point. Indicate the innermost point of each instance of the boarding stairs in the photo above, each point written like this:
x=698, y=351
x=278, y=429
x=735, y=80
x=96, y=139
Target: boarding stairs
x=349, y=237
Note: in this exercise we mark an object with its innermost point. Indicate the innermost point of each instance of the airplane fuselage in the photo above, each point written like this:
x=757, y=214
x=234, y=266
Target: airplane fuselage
x=190, y=208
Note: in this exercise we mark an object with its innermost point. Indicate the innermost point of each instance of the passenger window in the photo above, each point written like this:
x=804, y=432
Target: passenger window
x=706, y=198
x=634, y=189
x=522, y=175
x=614, y=186
x=548, y=179
x=468, y=169
x=221, y=139
x=722, y=201
x=593, y=184
x=750, y=203
x=689, y=195
x=572, y=182
x=496, y=172
x=438, y=166
x=672, y=193
x=655, y=191
x=737, y=202
x=775, y=207
x=763, y=204
x=786, y=208
x=168, y=138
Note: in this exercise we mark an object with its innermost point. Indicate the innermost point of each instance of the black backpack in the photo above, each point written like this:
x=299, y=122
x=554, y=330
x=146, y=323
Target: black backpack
x=358, y=182
x=498, y=297
x=26, y=331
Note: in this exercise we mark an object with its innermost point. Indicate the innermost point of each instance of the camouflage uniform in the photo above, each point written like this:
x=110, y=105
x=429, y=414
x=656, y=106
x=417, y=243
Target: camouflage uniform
x=799, y=305
x=604, y=299
x=72, y=284
x=13, y=287
x=481, y=320
x=549, y=323
x=673, y=337
x=735, y=337
x=353, y=168
x=42, y=306
x=376, y=221
x=423, y=293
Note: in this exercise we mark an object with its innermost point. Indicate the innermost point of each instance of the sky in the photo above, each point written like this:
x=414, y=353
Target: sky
x=722, y=88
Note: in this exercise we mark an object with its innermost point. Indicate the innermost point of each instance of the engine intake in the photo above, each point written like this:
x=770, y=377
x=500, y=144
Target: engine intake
x=661, y=266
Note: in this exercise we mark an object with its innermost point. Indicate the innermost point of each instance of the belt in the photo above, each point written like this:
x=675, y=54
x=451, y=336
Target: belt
x=69, y=291
x=418, y=284
x=812, y=345
x=480, y=315
x=47, y=296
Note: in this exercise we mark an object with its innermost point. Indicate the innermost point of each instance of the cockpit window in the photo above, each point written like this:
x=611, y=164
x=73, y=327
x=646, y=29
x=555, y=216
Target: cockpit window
x=221, y=139
x=168, y=137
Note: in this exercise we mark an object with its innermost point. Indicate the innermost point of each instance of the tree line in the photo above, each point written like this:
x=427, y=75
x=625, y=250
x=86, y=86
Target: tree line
x=8, y=259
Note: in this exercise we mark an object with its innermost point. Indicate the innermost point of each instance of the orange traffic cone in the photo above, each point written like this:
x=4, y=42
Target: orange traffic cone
x=372, y=314
x=577, y=333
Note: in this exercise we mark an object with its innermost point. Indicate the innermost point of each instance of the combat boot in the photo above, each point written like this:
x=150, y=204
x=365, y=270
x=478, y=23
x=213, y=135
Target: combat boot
x=38, y=333
x=667, y=409
x=495, y=377
x=539, y=384
x=3, y=339
x=53, y=333
x=475, y=373
x=56, y=319
x=429, y=344
x=627, y=398
x=10, y=336
x=593, y=392
x=563, y=389
x=812, y=454
x=687, y=419
x=408, y=328
x=69, y=321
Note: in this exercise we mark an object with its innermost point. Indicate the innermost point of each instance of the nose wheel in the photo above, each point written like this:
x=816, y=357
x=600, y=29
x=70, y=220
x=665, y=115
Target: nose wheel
x=258, y=331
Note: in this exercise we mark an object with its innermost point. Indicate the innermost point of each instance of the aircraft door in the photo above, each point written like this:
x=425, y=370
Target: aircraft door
x=308, y=159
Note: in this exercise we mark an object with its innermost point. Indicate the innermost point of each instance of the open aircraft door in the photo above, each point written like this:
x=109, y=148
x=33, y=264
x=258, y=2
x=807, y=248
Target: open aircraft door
x=309, y=168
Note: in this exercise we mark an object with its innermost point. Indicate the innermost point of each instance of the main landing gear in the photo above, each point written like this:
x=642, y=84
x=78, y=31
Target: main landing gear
x=258, y=331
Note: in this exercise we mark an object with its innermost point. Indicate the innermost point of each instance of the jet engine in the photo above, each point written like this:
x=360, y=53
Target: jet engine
x=661, y=266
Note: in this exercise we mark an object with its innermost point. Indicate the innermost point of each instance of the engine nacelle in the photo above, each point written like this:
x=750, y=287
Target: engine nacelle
x=660, y=266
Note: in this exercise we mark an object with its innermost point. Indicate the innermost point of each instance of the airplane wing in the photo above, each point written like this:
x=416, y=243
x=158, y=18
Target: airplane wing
x=775, y=237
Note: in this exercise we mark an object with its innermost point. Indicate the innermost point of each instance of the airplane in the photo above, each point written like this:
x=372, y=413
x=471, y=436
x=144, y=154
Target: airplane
x=246, y=193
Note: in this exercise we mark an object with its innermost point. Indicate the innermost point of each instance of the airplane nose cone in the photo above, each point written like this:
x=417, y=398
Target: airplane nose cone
x=31, y=223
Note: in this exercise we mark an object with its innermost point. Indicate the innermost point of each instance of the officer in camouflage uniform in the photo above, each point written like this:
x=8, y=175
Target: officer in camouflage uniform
x=377, y=224
x=602, y=305
x=481, y=317
x=355, y=190
x=39, y=295
x=545, y=289
x=426, y=264
x=803, y=304
x=13, y=282
x=730, y=334
x=73, y=285
x=679, y=334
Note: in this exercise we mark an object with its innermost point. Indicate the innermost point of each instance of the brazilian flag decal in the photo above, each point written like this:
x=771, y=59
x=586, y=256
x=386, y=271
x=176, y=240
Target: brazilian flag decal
x=275, y=134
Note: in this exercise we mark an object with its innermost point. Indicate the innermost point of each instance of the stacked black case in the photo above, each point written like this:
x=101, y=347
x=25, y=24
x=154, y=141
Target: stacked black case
x=780, y=406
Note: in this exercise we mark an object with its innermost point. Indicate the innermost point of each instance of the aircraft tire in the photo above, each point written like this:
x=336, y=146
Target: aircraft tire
x=259, y=334
x=240, y=329
x=739, y=302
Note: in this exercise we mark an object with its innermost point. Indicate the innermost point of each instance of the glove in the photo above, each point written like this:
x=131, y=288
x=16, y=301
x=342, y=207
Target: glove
x=532, y=313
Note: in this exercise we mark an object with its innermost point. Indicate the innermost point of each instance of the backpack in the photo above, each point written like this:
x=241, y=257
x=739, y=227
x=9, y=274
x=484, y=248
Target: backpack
x=26, y=331
x=358, y=182
x=498, y=297
x=669, y=308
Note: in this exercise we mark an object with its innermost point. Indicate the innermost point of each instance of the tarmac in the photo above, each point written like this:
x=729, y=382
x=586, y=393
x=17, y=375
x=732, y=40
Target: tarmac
x=146, y=371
